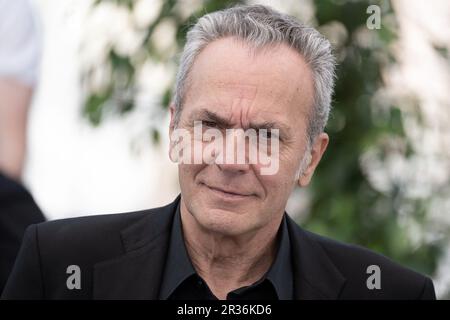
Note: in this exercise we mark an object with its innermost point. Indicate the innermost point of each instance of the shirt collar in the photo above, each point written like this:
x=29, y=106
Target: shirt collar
x=280, y=273
x=179, y=267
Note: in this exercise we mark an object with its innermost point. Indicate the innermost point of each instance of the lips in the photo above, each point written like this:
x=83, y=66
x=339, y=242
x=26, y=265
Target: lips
x=227, y=192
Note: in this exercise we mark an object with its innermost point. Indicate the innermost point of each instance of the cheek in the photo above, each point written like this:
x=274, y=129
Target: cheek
x=286, y=163
x=277, y=186
x=290, y=160
x=188, y=173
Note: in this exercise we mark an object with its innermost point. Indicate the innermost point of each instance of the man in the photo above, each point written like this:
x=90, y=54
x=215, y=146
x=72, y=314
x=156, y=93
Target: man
x=19, y=60
x=227, y=235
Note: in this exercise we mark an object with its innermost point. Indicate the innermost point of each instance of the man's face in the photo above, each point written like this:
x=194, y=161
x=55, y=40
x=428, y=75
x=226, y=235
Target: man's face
x=244, y=91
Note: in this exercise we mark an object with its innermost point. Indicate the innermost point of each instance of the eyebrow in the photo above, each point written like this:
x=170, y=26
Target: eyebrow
x=207, y=115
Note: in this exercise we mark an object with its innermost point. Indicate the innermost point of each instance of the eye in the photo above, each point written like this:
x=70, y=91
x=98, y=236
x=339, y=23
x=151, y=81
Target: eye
x=210, y=124
x=265, y=134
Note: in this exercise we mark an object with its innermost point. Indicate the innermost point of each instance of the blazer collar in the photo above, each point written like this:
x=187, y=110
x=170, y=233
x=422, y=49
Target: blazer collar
x=146, y=243
x=315, y=275
x=137, y=274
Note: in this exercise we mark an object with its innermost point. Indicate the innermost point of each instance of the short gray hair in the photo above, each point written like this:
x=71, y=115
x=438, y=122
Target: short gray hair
x=261, y=26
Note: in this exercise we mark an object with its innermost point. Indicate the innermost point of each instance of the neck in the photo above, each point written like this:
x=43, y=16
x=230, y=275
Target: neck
x=229, y=262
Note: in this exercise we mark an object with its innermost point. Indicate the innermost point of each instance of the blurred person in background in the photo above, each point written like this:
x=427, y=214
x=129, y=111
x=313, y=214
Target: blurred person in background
x=19, y=60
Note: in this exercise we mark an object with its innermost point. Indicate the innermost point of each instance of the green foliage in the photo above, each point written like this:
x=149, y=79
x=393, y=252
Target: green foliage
x=96, y=105
x=344, y=204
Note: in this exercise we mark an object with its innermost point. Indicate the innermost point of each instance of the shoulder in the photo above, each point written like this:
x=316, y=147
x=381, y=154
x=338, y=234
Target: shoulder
x=98, y=235
x=51, y=248
x=86, y=228
x=363, y=268
x=20, y=36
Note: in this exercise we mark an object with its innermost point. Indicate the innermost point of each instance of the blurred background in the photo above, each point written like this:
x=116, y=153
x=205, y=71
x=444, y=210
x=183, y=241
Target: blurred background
x=98, y=123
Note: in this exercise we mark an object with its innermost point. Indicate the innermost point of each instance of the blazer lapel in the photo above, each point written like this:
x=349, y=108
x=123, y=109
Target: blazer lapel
x=137, y=274
x=315, y=275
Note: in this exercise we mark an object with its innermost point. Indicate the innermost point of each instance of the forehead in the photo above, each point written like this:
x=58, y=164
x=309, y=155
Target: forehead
x=229, y=75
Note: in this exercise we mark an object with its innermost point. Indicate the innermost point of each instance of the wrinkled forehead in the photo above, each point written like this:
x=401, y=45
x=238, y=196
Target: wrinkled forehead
x=228, y=75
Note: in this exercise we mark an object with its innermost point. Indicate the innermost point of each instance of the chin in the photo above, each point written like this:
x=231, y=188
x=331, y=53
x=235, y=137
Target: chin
x=224, y=222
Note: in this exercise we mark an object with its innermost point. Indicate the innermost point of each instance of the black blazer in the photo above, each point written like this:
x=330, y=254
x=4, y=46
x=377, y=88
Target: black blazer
x=17, y=211
x=122, y=256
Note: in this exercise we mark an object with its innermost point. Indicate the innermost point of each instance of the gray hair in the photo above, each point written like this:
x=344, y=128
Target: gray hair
x=261, y=26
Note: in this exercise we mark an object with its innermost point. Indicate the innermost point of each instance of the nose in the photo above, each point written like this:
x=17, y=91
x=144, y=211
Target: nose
x=234, y=157
x=234, y=168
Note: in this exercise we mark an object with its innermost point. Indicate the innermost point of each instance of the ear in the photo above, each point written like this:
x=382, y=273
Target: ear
x=318, y=148
x=172, y=116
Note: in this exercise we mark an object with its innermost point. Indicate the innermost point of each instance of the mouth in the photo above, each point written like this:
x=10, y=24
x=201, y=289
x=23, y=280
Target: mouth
x=227, y=194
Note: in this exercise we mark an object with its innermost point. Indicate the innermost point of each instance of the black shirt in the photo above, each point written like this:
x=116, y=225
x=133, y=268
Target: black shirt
x=181, y=282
